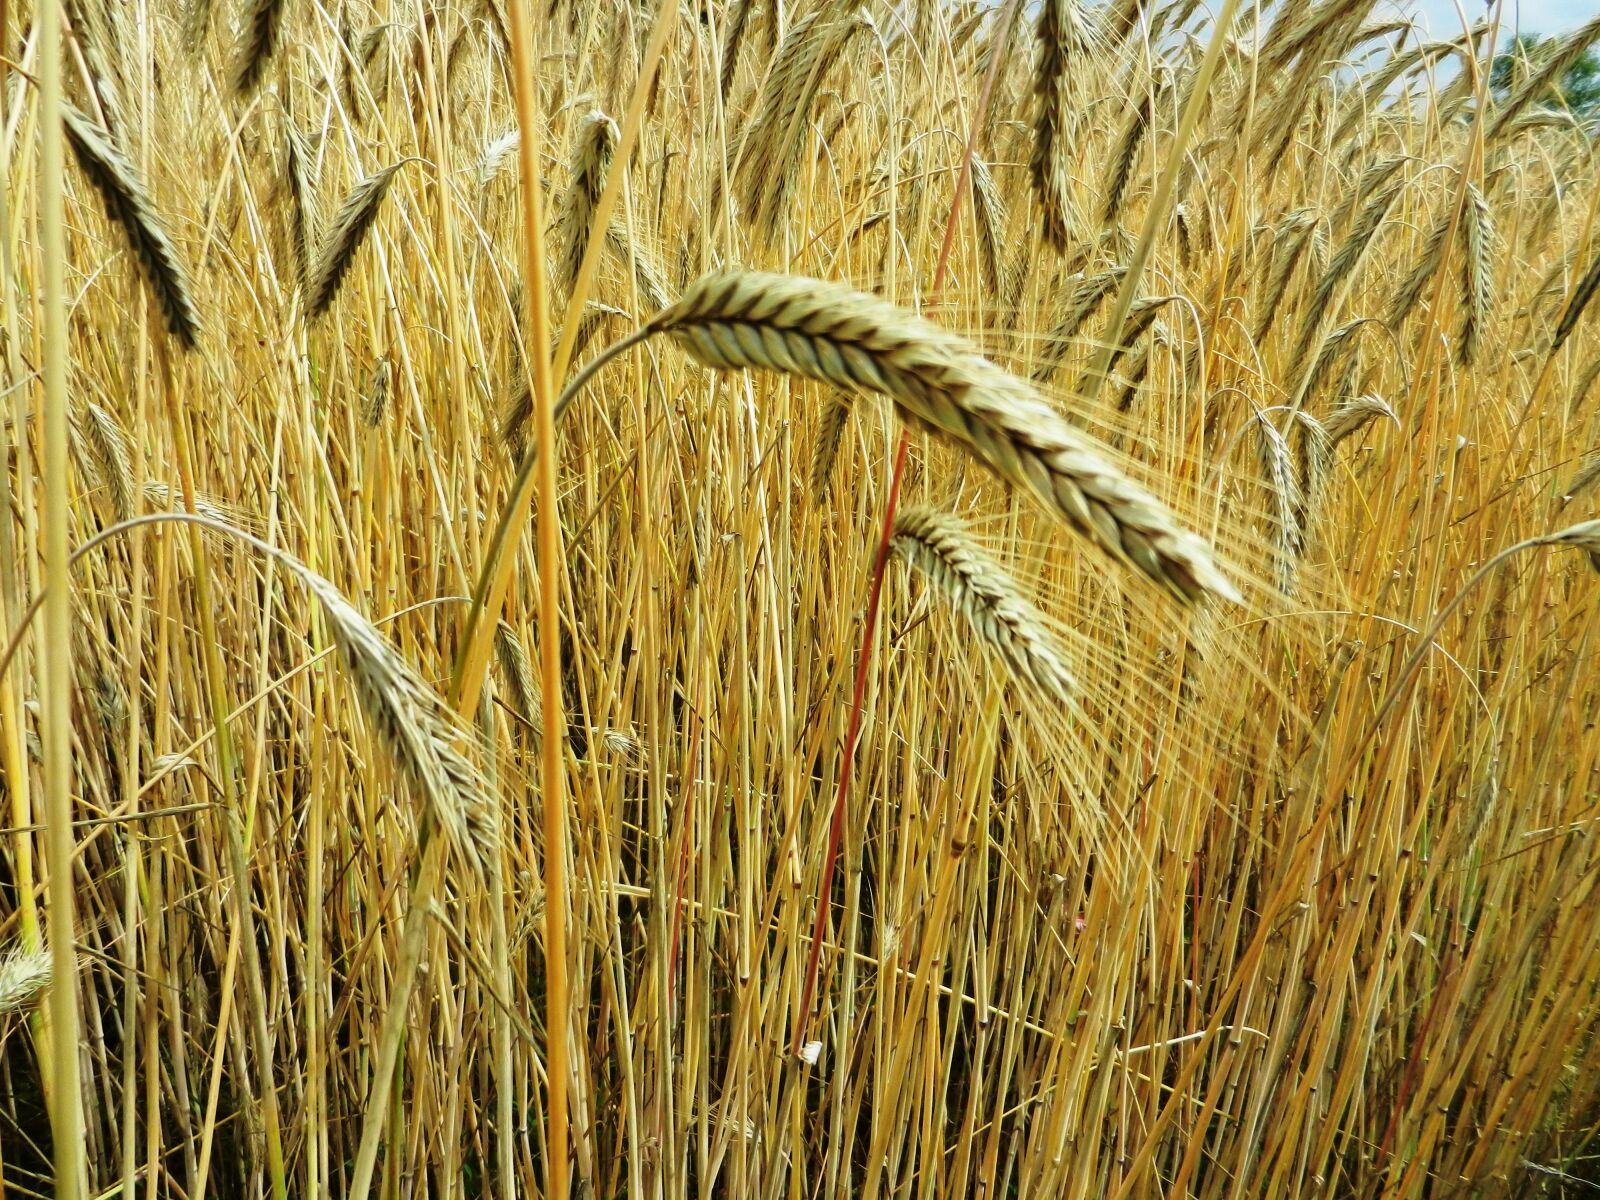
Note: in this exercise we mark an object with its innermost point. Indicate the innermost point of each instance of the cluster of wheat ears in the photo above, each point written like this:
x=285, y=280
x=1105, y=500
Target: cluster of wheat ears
x=624, y=598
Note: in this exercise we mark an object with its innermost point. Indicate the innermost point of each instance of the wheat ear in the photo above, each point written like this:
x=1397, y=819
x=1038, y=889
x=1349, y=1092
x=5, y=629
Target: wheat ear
x=835, y=420
x=263, y=20
x=1354, y=415
x=830, y=332
x=591, y=162
x=521, y=684
x=1580, y=301
x=303, y=230
x=1284, y=487
x=356, y=216
x=973, y=584
x=375, y=395
x=1064, y=42
x=108, y=445
x=128, y=205
x=1477, y=275
x=23, y=975
x=414, y=725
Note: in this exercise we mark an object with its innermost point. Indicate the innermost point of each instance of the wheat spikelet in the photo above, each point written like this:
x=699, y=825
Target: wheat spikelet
x=974, y=585
x=108, y=446
x=1477, y=275
x=591, y=162
x=646, y=274
x=773, y=143
x=521, y=684
x=1585, y=382
x=162, y=498
x=1581, y=296
x=1289, y=242
x=1313, y=461
x=414, y=726
x=128, y=205
x=1585, y=536
x=1335, y=345
x=497, y=156
x=1064, y=38
x=1345, y=261
x=1282, y=485
x=1141, y=315
x=263, y=20
x=1087, y=298
x=738, y=22
x=831, y=332
x=356, y=215
x=1127, y=152
x=990, y=207
x=23, y=976
x=1354, y=415
x=1410, y=293
x=303, y=229
x=375, y=395
x=1181, y=222
x=835, y=420
x=1122, y=18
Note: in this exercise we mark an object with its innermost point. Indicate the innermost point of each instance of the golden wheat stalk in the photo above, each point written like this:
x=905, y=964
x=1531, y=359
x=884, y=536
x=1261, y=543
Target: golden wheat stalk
x=830, y=332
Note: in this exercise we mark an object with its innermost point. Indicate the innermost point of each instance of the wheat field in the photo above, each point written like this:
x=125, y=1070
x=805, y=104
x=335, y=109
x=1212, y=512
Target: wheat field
x=795, y=600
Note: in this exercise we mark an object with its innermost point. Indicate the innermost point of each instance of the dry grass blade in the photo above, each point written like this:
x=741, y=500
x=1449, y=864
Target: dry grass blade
x=128, y=205
x=263, y=21
x=940, y=547
x=355, y=218
x=831, y=332
x=23, y=978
